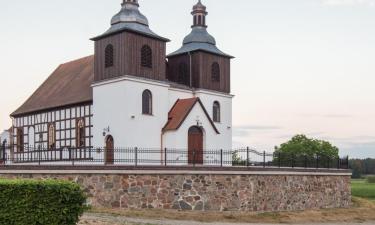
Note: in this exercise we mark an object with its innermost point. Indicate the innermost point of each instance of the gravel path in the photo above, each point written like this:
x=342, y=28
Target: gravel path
x=105, y=219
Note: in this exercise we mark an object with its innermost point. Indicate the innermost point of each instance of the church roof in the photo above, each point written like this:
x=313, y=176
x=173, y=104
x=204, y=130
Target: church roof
x=69, y=84
x=181, y=110
x=130, y=19
x=199, y=38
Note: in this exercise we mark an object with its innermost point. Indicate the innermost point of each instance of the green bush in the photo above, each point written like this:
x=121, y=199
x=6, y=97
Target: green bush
x=31, y=202
x=371, y=179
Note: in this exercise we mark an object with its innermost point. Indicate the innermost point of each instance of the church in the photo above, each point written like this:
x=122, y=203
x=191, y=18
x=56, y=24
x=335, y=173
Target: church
x=131, y=93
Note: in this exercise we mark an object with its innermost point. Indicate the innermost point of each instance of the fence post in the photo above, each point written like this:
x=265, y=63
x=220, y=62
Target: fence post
x=328, y=162
x=73, y=155
x=317, y=161
x=338, y=163
x=4, y=149
x=221, y=157
x=165, y=157
x=264, y=159
x=347, y=162
x=136, y=156
x=305, y=161
x=279, y=159
x=247, y=156
x=292, y=160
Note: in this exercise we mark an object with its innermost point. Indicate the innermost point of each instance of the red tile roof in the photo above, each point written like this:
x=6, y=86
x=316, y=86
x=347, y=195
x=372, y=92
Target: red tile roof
x=69, y=84
x=181, y=110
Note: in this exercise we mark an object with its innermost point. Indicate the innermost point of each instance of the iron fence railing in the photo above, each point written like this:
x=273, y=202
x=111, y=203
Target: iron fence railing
x=241, y=157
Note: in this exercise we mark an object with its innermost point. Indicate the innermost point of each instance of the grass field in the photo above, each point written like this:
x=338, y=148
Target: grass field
x=360, y=188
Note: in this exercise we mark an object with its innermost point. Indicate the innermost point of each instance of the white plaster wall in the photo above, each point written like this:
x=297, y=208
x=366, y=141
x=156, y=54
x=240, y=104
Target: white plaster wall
x=118, y=106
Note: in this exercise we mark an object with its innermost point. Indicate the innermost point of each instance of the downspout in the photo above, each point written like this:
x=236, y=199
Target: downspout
x=190, y=70
x=162, y=147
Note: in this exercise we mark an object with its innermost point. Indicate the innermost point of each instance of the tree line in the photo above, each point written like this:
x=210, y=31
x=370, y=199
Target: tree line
x=362, y=167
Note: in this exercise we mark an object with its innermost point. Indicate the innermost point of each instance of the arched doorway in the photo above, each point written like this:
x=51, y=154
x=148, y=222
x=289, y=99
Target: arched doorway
x=109, y=153
x=195, y=145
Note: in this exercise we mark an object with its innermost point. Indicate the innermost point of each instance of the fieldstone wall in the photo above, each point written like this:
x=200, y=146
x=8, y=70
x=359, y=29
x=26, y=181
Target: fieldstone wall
x=205, y=192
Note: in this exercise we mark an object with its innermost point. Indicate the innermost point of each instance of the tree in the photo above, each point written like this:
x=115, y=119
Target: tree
x=300, y=145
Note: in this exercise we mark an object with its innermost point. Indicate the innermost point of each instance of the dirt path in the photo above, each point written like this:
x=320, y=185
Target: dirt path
x=107, y=219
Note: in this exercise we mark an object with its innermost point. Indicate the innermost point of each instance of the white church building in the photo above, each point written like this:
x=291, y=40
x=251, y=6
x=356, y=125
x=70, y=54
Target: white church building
x=132, y=94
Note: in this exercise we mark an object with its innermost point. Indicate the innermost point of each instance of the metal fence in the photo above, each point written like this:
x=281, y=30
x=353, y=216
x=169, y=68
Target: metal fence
x=241, y=157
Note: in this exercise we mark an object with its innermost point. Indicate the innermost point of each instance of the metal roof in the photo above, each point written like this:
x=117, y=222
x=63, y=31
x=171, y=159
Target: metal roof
x=130, y=19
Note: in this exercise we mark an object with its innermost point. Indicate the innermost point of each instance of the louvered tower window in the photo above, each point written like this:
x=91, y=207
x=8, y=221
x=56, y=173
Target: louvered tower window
x=215, y=72
x=109, y=58
x=182, y=73
x=146, y=56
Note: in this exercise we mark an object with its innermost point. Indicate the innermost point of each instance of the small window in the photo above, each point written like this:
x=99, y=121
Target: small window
x=20, y=140
x=109, y=56
x=182, y=73
x=51, y=136
x=215, y=72
x=146, y=56
x=147, y=102
x=216, y=112
x=80, y=129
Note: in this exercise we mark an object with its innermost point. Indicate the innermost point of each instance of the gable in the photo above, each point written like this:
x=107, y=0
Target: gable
x=181, y=110
x=69, y=84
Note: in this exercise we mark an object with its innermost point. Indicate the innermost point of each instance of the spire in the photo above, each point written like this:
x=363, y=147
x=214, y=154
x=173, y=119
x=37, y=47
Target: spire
x=199, y=15
x=130, y=14
x=130, y=18
x=199, y=38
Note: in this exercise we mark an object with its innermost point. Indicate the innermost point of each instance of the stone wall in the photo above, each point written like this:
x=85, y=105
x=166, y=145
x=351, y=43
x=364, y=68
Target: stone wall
x=214, y=192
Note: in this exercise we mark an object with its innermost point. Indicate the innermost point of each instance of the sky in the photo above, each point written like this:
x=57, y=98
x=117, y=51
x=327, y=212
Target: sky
x=301, y=66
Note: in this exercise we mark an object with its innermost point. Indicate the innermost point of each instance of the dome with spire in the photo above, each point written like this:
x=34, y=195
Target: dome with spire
x=199, y=38
x=130, y=18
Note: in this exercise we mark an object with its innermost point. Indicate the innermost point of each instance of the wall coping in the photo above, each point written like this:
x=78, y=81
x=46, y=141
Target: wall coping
x=170, y=170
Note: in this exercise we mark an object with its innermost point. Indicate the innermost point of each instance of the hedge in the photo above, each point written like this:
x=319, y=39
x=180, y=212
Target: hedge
x=32, y=202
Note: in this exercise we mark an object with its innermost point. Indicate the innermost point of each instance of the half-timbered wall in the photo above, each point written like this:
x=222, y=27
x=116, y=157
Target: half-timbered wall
x=127, y=57
x=35, y=127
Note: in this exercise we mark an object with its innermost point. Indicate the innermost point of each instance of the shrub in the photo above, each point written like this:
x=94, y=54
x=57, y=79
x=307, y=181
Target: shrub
x=31, y=202
x=371, y=179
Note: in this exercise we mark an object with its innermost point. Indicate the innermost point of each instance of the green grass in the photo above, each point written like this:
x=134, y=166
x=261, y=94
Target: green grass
x=361, y=188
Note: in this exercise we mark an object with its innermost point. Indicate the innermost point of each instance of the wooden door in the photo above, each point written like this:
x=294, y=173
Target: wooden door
x=109, y=151
x=195, y=145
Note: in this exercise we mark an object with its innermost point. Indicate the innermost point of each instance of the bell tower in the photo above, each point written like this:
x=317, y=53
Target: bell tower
x=199, y=63
x=129, y=47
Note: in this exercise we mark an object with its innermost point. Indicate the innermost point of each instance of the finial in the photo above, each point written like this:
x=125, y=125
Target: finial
x=135, y=2
x=199, y=14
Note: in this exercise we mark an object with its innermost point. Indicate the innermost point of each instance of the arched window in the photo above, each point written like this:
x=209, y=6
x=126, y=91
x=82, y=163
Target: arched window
x=182, y=73
x=80, y=129
x=146, y=56
x=199, y=20
x=147, y=102
x=109, y=56
x=215, y=72
x=51, y=136
x=216, y=112
x=20, y=140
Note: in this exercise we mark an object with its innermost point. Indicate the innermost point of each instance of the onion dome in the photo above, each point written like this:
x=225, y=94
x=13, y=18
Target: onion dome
x=199, y=38
x=130, y=18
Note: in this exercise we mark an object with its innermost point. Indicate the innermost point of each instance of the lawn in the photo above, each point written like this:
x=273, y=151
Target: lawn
x=361, y=188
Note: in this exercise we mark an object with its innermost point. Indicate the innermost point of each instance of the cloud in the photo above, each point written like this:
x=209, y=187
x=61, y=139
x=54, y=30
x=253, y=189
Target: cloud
x=348, y=2
x=359, y=150
x=330, y=116
x=255, y=127
x=244, y=131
